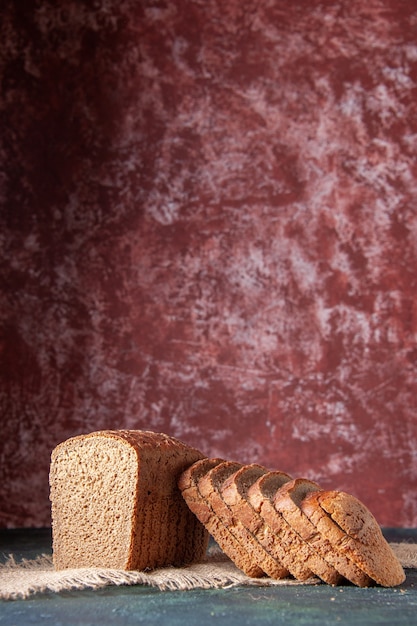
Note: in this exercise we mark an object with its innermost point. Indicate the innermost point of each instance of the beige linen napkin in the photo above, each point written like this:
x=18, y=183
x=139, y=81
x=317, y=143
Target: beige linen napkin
x=20, y=580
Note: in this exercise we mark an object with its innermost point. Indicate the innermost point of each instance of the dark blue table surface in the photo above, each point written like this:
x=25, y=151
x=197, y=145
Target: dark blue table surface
x=236, y=606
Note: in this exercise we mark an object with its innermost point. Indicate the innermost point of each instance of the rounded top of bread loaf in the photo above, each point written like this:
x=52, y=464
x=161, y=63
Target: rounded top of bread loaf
x=133, y=436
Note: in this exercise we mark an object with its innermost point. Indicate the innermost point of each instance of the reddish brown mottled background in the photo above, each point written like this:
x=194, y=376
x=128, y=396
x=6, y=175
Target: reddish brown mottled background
x=208, y=228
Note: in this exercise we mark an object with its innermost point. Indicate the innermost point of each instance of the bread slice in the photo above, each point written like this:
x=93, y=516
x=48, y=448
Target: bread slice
x=209, y=486
x=246, y=522
x=115, y=502
x=280, y=538
x=328, y=564
x=354, y=532
x=189, y=483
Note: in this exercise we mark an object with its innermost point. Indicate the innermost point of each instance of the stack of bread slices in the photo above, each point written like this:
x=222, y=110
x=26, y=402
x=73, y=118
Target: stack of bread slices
x=270, y=524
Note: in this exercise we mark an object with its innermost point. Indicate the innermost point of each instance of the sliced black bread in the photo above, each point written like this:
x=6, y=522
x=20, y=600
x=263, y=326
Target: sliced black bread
x=330, y=565
x=209, y=486
x=354, y=532
x=246, y=522
x=200, y=506
x=276, y=535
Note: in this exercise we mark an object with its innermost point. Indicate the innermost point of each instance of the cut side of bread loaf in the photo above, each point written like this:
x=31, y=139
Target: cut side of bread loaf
x=277, y=536
x=247, y=523
x=115, y=502
x=353, y=531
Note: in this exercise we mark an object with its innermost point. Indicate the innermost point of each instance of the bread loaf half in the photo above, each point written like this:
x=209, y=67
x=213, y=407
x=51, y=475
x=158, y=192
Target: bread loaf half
x=116, y=503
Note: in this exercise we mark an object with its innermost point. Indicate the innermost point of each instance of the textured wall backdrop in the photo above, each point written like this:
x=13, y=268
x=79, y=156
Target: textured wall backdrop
x=209, y=229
